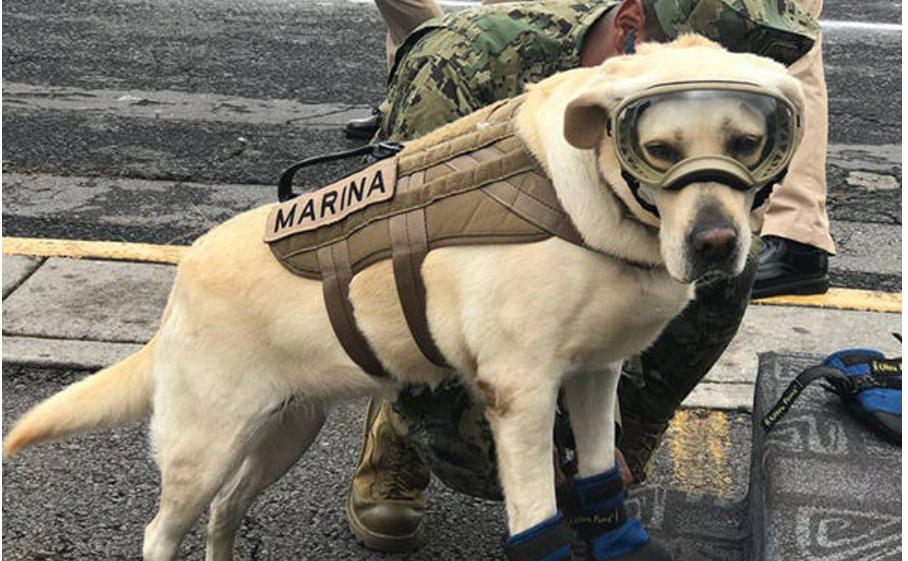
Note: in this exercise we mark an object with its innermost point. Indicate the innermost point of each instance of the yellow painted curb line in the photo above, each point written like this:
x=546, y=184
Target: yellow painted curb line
x=700, y=446
x=76, y=249
x=836, y=298
x=843, y=299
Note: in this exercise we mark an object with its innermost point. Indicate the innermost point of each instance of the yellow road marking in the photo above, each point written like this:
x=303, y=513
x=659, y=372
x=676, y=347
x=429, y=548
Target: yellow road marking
x=699, y=446
x=836, y=298
x=77, y=249
x=843, y=299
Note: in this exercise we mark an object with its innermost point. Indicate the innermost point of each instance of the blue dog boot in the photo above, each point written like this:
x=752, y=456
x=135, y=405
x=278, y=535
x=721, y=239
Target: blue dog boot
x=594, y=507
x=873, y=391
x=549, y=540
x=868, y=383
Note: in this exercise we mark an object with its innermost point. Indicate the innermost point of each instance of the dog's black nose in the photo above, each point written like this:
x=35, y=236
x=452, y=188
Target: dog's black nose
x=714, y=244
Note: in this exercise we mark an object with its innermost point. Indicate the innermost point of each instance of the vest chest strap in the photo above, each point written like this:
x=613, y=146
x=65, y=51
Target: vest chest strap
x=334, y=262
x=409, y=247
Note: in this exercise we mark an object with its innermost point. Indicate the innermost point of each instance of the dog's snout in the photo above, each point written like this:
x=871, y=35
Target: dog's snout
x=713, y=239
x=715, y=243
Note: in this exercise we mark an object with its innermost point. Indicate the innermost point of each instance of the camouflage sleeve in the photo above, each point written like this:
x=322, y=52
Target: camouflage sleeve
x=427, y=92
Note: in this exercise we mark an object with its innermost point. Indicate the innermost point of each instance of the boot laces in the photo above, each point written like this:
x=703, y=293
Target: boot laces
x=772, y=244
x=399, y=469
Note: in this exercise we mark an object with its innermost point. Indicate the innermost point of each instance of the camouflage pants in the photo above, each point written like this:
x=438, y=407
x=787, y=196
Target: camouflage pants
x=449, y=432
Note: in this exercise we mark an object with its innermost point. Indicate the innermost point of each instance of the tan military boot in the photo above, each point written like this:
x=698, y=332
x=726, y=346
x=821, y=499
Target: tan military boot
x=386, y=502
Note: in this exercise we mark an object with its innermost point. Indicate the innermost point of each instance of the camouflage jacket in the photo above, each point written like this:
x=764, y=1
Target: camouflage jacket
x=453, y=65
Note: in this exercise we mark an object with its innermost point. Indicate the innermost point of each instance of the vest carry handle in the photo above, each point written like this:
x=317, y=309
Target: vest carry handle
x=379, y=151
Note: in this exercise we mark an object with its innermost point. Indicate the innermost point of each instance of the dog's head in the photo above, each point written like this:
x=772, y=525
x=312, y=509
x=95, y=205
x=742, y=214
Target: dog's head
x=689, y=161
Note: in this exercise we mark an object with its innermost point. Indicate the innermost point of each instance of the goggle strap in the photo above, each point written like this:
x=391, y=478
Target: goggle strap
x=635, y=188
x=629, y=41
x=766, y=190
x=762, y=195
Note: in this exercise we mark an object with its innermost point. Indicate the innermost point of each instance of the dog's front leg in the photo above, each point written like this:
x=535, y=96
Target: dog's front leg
x=521, y=414
x=590, y=400
x=594, y=501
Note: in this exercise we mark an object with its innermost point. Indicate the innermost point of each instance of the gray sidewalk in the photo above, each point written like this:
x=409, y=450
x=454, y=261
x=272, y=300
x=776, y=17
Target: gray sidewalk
x=86, y=314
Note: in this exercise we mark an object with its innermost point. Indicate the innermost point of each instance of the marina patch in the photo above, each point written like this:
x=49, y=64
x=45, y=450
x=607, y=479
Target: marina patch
x=333, y=203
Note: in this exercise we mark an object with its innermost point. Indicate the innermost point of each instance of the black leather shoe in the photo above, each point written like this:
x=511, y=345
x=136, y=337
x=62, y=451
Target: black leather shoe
x=790, y=267
x=366, y=127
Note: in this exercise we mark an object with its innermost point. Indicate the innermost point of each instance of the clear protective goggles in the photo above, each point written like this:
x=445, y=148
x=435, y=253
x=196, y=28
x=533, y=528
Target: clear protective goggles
x=735, y=133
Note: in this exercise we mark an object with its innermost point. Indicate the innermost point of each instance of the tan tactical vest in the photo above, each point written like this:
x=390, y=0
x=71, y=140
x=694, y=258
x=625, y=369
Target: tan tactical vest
x=477, y=185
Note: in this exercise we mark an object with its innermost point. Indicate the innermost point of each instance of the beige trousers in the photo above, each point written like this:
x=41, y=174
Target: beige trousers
x=797, y=207
x=402, y=17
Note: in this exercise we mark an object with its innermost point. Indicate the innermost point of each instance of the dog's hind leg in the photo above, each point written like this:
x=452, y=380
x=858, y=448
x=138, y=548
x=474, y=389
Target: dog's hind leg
x=277, y=446
x=195, y=458
x=191, y=474
x=201, y=433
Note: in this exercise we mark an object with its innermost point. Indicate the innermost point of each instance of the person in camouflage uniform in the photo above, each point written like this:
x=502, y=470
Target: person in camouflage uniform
x=451, y=66
x=454, y=65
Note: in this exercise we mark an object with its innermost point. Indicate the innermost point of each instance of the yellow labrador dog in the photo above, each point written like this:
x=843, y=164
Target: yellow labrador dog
x=245, y=363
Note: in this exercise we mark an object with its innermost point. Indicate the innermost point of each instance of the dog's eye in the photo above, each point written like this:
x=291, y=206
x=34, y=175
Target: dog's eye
x=743, y=145
x=663, y=151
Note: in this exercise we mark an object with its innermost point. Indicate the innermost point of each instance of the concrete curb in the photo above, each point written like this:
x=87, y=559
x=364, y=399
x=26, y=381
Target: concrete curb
x=64, y=353
x=724, y=396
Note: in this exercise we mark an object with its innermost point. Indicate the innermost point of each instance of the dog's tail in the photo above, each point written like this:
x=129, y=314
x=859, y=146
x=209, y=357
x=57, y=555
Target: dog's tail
x=114, y=396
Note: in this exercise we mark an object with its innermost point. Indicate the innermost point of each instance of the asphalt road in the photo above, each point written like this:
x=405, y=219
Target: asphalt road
x=199, y=96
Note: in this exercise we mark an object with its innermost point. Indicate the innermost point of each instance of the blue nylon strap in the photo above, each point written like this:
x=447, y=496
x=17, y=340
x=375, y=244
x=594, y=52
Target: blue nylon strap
x=600, y=495
x=839, y=360
x=600, y=492
x=535, y=531
x=629, y=537
x=603, y=478
x=888, y=400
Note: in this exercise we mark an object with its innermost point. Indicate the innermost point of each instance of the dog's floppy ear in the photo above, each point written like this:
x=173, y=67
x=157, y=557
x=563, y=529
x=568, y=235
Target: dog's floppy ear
x=584, y=120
